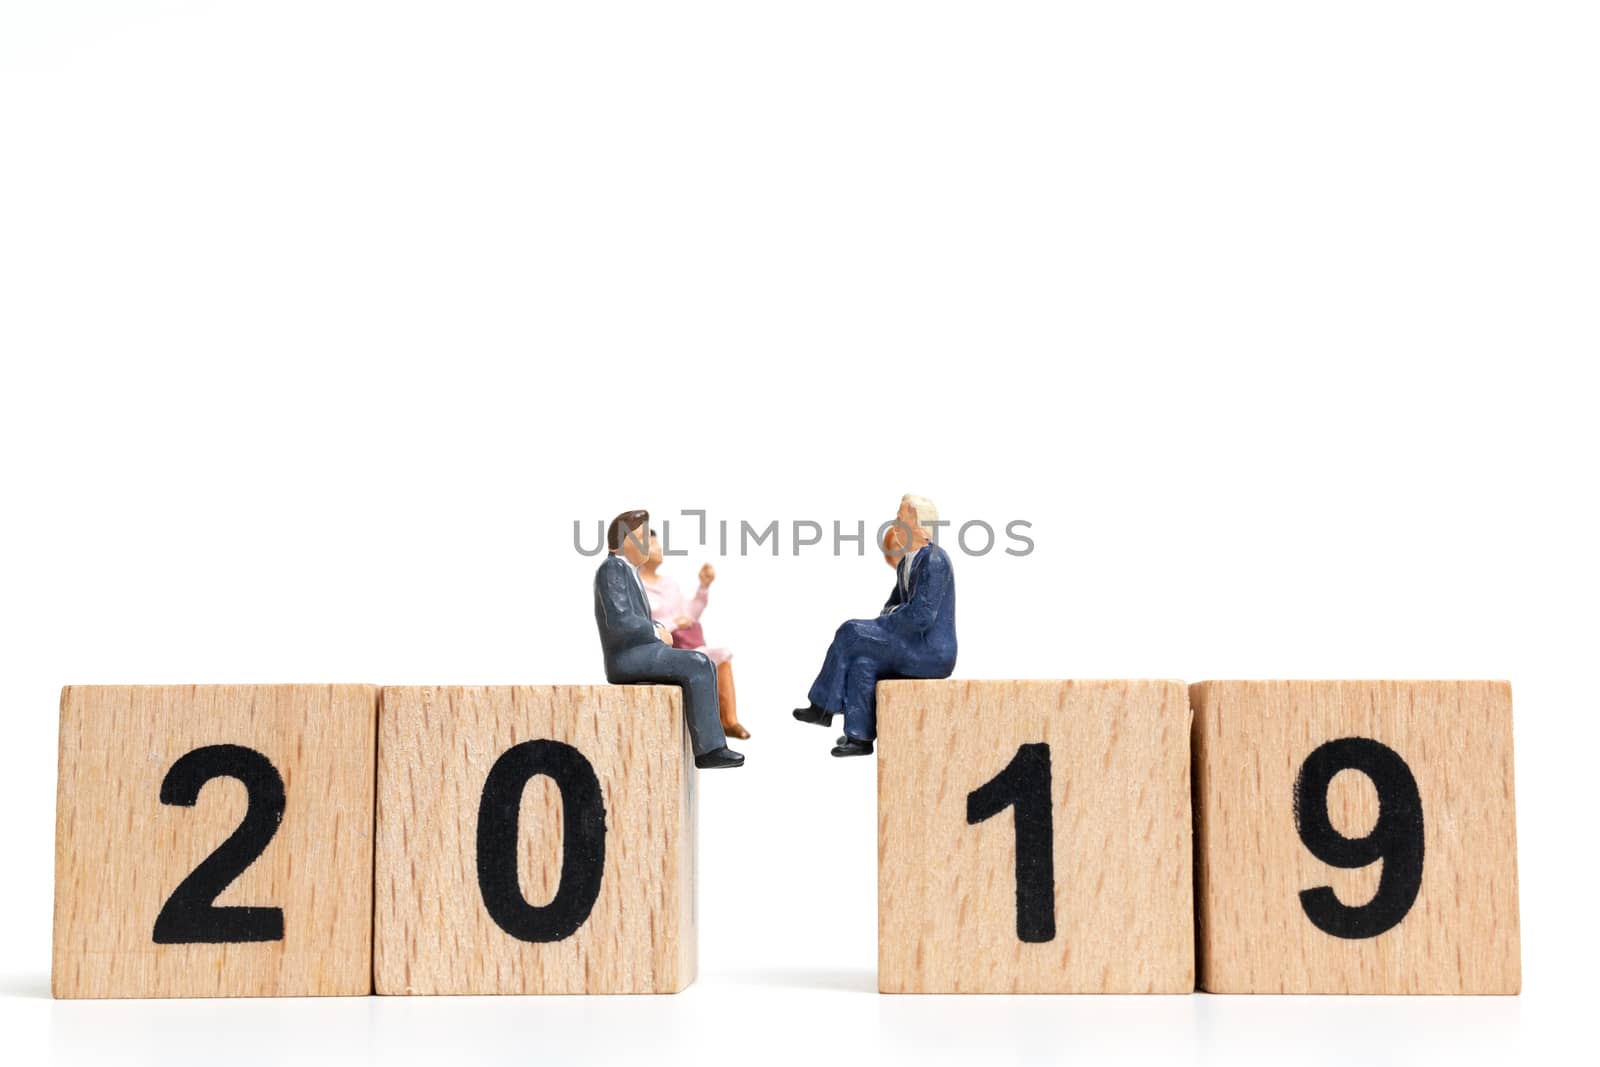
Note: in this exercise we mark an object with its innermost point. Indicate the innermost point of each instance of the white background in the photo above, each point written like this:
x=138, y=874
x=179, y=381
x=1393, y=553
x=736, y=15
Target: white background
x=322, y=322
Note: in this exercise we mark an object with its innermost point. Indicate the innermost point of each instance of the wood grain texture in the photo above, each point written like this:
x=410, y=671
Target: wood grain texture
x=436, y=747
x=120, y=852
x=1460, y=935
x=1122, y=834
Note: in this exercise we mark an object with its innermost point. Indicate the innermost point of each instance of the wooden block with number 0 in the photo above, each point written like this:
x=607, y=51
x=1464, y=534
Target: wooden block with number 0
x=214, y=840
x=1034, y=837
x=534, y=839
x=1356, y=837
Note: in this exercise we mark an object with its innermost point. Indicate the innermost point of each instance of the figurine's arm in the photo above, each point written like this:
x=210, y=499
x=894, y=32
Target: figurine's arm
x=621, y=618
x=919, y=613
x=698, y=604
x=894, y=598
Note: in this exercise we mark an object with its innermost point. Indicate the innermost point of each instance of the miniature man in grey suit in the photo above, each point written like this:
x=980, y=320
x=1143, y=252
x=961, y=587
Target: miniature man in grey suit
x=639, y=651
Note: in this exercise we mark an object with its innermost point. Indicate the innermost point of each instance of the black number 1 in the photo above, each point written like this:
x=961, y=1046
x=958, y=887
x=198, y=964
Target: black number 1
x=189, y=916
x=1025, y=786
x=1396, y=839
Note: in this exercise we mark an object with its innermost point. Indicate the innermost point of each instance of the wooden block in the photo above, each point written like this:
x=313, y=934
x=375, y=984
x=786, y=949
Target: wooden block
x=534, y=839
x=214, y=841
x=1356, y=837
x=1034, y=837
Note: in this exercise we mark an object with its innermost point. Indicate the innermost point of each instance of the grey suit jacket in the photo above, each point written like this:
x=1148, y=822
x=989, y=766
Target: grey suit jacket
x=620, y=609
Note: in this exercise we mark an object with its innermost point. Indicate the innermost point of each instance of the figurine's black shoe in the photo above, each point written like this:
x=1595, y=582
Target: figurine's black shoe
x=853, y=746
x=814, y=715
x=719, y=757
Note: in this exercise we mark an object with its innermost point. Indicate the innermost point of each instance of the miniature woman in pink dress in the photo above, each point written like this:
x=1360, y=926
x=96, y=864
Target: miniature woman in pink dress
x=682, y=617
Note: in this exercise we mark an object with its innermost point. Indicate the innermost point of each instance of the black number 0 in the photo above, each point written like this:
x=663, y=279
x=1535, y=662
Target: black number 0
x=1396, y=839
x=583, y=840
x=189, y=916
x=1025, y=786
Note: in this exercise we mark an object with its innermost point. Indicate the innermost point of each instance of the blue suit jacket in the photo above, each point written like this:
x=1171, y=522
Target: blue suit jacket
x=923, y=619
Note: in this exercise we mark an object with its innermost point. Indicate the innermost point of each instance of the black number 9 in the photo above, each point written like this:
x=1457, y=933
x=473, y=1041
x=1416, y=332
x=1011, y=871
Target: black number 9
x=1396, y=838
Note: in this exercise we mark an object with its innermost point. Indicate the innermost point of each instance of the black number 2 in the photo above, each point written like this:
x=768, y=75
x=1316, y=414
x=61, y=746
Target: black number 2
x=1396, y=839
x=583, y=840
x=1025, y=786
x=189, y=916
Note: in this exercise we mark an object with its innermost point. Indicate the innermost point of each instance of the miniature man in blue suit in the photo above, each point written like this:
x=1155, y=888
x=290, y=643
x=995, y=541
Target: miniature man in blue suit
x=639, y=651
x=913, y=637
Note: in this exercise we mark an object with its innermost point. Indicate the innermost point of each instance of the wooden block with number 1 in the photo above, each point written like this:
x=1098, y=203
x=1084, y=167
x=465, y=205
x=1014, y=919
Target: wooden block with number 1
x=214, y=840
x=1034, y=837
x=534, y=839
x=1356, y=837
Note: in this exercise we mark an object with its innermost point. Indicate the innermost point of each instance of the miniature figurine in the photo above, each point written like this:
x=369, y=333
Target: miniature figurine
x=638, y=651
x=913, y=637
x=682, y=618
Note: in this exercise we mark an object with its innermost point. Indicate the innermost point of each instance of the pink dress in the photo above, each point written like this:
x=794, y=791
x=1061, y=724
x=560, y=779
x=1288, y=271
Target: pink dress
x=667, y=604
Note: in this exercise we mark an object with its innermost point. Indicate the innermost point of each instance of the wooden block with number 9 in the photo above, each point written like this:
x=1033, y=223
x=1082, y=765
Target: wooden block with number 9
x=1356, y=837
x=1034, y=837
x=214, y=840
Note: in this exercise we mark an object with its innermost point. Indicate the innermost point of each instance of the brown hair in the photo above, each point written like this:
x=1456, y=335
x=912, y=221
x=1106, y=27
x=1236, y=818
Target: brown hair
x=620, y=526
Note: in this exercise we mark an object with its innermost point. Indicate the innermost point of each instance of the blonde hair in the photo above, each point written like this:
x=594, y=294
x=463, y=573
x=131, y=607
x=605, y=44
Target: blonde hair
x=926, y=512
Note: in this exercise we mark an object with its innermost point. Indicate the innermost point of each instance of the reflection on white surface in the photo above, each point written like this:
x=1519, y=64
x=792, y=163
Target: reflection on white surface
x=791, y=1015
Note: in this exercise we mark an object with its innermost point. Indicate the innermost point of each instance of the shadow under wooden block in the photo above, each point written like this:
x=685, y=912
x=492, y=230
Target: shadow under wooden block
x=1356, y=837
x=1034, y=837
x=534, y=839
x=214, y=841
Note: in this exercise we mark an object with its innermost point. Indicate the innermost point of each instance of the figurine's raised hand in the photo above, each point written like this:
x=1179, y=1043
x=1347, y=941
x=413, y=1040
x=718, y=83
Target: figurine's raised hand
x=708, y=574
x=894, y=544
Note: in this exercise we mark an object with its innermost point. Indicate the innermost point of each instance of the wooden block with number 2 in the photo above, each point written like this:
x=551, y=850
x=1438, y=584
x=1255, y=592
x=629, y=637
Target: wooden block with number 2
x=214, y=840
